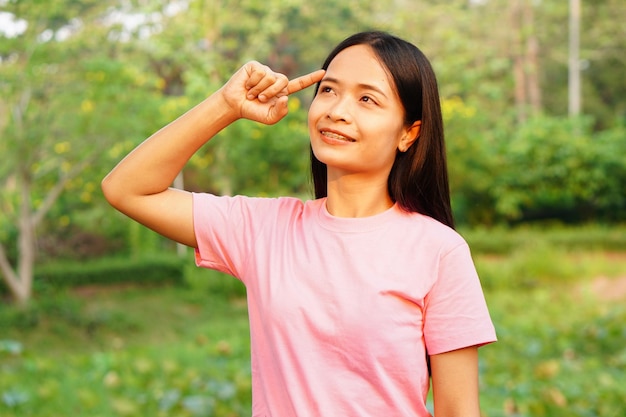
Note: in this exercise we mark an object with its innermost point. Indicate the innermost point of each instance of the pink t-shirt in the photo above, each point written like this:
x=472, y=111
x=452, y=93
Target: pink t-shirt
x=342, y=310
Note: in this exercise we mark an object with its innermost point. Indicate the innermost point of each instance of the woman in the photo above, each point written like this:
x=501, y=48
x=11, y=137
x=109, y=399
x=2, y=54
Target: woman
x=348, y=294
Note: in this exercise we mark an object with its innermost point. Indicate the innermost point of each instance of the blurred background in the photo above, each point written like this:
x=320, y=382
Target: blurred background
x=101, y=317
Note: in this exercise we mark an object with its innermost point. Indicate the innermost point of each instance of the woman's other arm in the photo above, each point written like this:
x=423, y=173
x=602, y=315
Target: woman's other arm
x=455, y=383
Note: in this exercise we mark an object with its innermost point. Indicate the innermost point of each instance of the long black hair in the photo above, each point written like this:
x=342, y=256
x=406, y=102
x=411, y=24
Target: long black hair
x=418, y=180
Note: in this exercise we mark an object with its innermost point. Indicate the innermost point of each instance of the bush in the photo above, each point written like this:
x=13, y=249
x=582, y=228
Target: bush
x=529, y=267
x=142, y=270
x=206, y=281
x=508, y=240
x=66, y=316
x=558, y=168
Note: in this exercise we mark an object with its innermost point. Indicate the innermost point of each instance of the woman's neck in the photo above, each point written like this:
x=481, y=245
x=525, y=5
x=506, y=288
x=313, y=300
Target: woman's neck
x=357, y=195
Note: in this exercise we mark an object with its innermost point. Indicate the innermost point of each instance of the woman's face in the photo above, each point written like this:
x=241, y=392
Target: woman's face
x=356, y=119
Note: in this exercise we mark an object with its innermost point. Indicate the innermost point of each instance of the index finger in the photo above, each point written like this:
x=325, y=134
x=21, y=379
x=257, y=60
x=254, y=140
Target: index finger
x=304, y=81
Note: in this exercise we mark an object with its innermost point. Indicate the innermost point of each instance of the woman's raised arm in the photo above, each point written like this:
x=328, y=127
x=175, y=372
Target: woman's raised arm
x=139, y=186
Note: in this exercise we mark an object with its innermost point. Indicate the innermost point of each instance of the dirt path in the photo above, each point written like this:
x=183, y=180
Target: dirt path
x=609, y=289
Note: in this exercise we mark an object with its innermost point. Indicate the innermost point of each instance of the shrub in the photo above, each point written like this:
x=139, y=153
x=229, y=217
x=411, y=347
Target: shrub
x=557, y=168
x=205, y=281
x=509, y=240
x=142, y=270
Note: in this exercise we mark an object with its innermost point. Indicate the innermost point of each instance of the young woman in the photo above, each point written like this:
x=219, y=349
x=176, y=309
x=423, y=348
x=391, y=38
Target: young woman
x=351, y=293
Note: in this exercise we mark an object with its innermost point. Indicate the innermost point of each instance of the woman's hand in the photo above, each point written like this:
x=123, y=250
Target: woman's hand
x=255, y=92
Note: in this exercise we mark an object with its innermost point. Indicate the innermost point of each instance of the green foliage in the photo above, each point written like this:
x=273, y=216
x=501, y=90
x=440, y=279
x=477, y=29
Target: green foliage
x=529, y=257
x=88, y=80
x=508, y=240
x=193, y=380
x=255, y=159
x=156, y=351
x=204, y=281
x=543, y=264
x=471, y=162
x=527, y=267
x=559, y=354
x=141, y=270
x=549, y=169
x=63, y=315
x=556, y=168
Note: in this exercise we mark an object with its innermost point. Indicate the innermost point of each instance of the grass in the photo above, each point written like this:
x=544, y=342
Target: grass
x=127, y=351
x=184, y=350
x=561, y=352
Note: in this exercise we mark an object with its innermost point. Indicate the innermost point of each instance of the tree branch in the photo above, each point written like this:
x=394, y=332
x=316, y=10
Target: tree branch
x=56, y=191
x=10, y=277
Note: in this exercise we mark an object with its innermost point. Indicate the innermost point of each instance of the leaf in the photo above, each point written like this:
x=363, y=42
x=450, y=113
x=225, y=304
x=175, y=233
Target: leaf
x=199, y=405
x=12, y=347
x=14, y=398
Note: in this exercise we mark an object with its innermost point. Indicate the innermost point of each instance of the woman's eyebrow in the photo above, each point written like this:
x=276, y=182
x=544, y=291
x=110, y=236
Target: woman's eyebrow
x=363, y=86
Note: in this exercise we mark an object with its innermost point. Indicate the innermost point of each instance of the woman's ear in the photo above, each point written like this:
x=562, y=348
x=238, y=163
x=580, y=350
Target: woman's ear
x=410, y=136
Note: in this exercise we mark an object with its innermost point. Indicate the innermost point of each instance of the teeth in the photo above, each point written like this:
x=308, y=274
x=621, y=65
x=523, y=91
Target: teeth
x=336, y=136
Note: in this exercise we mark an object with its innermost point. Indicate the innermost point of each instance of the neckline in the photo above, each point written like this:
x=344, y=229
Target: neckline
x=355, y=224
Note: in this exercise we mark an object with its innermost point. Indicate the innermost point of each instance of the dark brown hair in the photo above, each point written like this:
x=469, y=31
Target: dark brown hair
x=418, y=180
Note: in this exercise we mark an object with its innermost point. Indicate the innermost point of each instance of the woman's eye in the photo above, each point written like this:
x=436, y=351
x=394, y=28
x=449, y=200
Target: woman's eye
x=368, y=99
x=325, y=89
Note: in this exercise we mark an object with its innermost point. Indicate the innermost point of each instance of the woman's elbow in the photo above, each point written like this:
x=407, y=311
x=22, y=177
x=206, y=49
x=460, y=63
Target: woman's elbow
x=111, y=191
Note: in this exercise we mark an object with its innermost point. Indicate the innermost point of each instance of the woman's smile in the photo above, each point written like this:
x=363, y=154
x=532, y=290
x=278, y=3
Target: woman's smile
x=331, y=137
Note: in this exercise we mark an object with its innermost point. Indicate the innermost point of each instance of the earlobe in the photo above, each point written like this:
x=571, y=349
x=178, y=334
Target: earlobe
x=410, y=136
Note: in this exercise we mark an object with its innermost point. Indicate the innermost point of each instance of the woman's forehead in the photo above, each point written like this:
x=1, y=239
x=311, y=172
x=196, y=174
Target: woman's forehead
x=359, y=65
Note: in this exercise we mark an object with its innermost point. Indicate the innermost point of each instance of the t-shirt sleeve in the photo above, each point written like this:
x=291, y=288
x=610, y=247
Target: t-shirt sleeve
x=456, y=314
x=224, y=229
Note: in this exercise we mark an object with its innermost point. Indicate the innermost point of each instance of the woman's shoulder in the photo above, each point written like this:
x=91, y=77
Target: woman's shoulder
x=254, y=207
x=246, y=212
x=248, y=201
x=433, y=230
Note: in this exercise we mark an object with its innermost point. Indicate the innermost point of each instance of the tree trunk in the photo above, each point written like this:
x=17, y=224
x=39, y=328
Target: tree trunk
x=20, y=281
x=532, y=59
x=574, y=100
x=12, y=279
x=525, y=48
x=27, y=245
x=519, y=77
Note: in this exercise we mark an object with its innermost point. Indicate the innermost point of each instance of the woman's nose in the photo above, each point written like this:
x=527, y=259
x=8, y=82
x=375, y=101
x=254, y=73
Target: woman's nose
x=340, y=111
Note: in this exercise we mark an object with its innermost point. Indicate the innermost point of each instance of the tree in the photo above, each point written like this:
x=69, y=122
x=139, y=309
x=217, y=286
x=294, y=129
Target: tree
x=525, y=47
x=62, y=87
x=83, y=81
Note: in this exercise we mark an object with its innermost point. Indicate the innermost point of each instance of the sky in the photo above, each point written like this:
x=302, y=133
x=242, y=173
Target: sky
x=9, y=26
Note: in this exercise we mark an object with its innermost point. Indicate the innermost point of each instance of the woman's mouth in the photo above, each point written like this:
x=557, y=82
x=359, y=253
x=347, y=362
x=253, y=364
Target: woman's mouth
x=336, y=136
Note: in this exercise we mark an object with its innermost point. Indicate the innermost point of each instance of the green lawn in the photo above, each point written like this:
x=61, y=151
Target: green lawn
x=184, y=351
x=127, y=352
x=561, y=352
